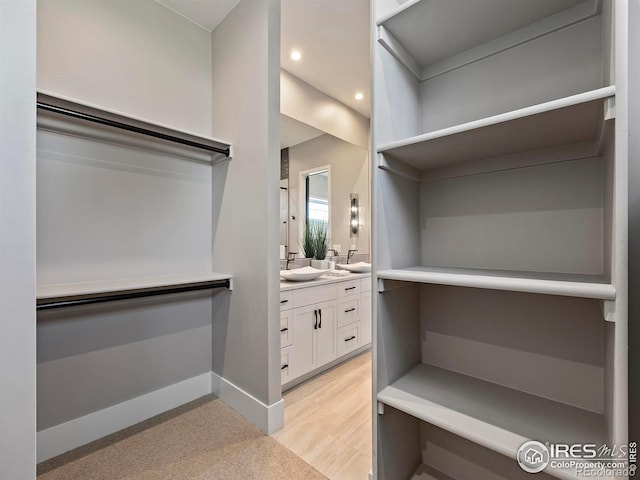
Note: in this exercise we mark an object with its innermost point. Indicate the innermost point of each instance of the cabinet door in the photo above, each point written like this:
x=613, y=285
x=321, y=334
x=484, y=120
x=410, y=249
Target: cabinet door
x=365, y=318
x=301, y=358
x=326, y=333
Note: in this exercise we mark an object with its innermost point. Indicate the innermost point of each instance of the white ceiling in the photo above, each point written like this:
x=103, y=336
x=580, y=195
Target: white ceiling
x=293, y=132
x=206, y=13
x=333, y=36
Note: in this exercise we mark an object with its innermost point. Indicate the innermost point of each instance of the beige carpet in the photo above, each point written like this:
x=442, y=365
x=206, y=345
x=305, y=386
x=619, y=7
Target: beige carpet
x=202, y=440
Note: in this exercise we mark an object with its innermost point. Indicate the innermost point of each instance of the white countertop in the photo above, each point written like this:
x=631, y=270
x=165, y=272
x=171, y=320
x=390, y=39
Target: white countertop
x=322, y=280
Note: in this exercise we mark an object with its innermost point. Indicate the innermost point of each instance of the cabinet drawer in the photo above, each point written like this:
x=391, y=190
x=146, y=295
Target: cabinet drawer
x=348, y=311
x=286, y=302
x=311, y=295
x=348, y=339
x=286, y=328
x=285, y=365
x=352, y=287
x=365, y=284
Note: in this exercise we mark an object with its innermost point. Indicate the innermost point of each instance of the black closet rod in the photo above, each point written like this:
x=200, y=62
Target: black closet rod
x=130, y=128
x=47, y=305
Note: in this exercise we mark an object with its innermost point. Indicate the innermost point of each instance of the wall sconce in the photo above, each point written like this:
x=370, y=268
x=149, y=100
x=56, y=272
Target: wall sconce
x=354, y=209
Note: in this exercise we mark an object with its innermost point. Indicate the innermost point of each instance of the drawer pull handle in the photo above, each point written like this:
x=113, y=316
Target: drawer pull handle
x=350, y=310
x=352, y=337
x=284, y=366
x=283, y=301
x=350, y=288
x=285, y=329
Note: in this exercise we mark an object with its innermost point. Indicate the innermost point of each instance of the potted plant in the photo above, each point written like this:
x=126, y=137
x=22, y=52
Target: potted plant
x=320, y=237
x=308, y=246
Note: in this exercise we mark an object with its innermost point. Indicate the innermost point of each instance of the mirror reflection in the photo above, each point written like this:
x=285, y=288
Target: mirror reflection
x=317, y=197
x=325, y=180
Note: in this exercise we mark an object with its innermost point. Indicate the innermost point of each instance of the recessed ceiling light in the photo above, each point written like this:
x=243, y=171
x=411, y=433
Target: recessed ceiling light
x=296, y=55
x=359, y=96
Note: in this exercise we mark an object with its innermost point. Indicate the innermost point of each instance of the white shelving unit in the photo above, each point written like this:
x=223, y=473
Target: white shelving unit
x=587, y=286
x=423, y=51
x=466, y=406
x=500, y=233
x=572, y=120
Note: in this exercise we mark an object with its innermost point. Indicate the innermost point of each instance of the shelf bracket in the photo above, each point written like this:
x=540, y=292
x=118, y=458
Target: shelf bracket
x=395, y=48
x=399, y=168
x=380, y=408
x=388, y=285
x=609, y=108
x=609, y=115
x=609, y=310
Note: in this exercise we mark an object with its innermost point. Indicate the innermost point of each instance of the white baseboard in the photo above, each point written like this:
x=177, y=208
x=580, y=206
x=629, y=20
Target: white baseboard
x=268, y=418
x=80, y=431
x=61, y=438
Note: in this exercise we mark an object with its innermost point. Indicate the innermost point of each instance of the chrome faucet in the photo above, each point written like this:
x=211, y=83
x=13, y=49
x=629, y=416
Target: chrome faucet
x=335, y=252
x=350, y=253
x=291, y=257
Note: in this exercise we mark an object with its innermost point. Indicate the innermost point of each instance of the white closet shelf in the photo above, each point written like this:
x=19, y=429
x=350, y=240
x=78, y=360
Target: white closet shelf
x=568, y=285
x=496, y=417
x=570, y=120
x=418, y=32
x=75, y=291
x=69, y=115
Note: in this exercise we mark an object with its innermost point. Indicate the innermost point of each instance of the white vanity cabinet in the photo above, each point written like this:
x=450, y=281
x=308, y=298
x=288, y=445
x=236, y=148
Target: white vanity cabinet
x=321, y=322
x=315, y=327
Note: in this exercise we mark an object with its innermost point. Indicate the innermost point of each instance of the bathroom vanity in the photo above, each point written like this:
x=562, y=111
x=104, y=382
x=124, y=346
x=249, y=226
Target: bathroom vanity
x=322, y=322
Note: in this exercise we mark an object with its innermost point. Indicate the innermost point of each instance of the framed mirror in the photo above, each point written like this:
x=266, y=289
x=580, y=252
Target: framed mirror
x=328, y=180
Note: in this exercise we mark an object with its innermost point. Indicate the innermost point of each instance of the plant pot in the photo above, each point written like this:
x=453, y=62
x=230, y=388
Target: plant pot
x=321, y=264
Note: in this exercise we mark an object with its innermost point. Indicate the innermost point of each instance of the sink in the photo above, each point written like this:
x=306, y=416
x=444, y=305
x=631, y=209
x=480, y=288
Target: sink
x=302, y=274
x=360, y=267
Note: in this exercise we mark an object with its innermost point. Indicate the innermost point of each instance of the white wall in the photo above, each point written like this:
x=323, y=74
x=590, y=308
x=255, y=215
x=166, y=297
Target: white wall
x=138, y=58
x=246, y=332
x=17, y=239
x=302, y=102
x=349, y=174
x=109, y=211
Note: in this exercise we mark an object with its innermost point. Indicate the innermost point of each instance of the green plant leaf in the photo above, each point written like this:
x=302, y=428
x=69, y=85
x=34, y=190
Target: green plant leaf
x=308, y=245
x=320, y=240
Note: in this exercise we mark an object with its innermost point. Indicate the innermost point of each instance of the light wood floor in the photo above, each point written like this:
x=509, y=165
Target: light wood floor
x=328, y=421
